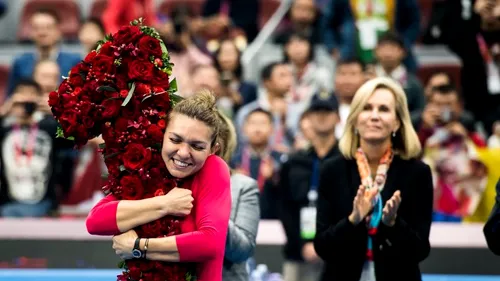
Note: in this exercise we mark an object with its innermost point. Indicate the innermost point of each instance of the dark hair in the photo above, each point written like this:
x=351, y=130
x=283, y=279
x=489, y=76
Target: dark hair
x=267, y=71
x=97, y=22
x=348, y=61
x=391, y=38
x=446, y=89
x=28, y=82
x=301, y=37
x=238, y=72
x=48, y=12
x=260, y=110
x=451, y=81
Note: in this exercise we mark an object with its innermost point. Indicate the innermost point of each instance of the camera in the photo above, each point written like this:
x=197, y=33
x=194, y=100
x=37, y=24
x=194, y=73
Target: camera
x=446, y=115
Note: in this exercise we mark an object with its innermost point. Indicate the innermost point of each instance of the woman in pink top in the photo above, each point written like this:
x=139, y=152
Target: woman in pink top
x=189, y=142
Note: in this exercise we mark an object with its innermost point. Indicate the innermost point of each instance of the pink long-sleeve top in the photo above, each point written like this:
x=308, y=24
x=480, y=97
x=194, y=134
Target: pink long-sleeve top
x=204, y=230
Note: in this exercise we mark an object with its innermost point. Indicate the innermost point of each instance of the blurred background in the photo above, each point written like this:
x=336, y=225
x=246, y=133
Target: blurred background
x=282, y=56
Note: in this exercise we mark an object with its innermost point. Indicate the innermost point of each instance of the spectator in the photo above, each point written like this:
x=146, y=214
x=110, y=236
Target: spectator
x=46, y=34
x=349, y=77
x=353, y=30
x=277, y=82
x=258, y=160
x=227, y=61
x=91, y=32
x=491, y=227
x=494, y=140
x=47, y=75
x=299, y=178
x=28, y=152
x=389, y=53
x=436, y=79
x=121, y=12
x=305, y=135
x=304, y=18
x=309, y=77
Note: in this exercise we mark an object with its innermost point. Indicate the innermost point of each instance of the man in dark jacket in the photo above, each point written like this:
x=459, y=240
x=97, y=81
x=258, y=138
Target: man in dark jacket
x=492, y=228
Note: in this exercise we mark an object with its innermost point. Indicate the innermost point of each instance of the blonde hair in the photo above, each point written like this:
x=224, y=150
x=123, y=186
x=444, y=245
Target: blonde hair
x=227, y=138
x=405, y=143
x=201, y=106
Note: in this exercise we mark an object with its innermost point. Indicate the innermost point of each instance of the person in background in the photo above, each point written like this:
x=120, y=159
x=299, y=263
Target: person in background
x=299, y=179
x=306, y=133
x=257, y=159
x=227, y=61
x=46, y=34
x=91, y=31
x=491, y=228
x=436, y=79
x=303, y=17
x=121, y=12
x=374, y=203
x=309, y=77
x=245, y=211
x=28, y=151
x=47, y=75
x=390, y=52
x=349, y=76
x=494, y=139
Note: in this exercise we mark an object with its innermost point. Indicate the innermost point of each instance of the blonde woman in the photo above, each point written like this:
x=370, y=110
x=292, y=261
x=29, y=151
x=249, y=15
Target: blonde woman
x=245, y=210
x=375, y=202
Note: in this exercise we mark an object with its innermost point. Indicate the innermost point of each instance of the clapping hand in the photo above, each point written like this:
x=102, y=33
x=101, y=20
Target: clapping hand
x=390, y=211
x=363, y=204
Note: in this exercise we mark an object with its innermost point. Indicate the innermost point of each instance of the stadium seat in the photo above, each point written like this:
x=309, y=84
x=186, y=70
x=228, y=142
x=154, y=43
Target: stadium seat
x=4, y=77
x=425, y=72
x=98, y=7
x=68, y=11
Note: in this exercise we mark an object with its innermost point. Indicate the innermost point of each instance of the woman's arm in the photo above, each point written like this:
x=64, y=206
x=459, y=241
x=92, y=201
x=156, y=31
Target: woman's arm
x=212, y=210
x=408, y=239
x=242, y=232
x=111, y=217
x=336, y=236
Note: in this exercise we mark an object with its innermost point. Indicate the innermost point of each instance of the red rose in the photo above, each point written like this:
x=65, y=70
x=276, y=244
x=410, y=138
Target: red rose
x=90, y=56
x=140, y=70
x=69, y=118
x=162, y=123
x=64, y=87
x=88, y=122
x=136, y=156
x=53, y=99
x=155, y=133
x=121, y=124
x=150, y=46
x=142, y=89
x=103, y=64
x=126, y=35
x=134, y=272
x=159, y=192
x=111, y=108
x=160, y=79
x=85, y=108
x=107, y=49
x=76, y=80
x=132, y=110
x=132, y=187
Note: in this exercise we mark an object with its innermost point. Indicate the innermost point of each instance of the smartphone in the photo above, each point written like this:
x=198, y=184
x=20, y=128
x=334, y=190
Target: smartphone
x=446, y=115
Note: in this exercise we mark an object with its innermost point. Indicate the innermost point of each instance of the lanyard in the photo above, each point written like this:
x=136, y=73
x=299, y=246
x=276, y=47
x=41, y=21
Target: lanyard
x=30, y=144
x=312, y=195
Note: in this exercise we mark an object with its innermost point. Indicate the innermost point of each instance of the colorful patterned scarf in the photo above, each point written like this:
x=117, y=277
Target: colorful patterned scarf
x=368, y=182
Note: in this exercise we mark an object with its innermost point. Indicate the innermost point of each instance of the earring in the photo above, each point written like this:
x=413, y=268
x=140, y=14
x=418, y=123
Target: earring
x=355, y=131
x=394, y=134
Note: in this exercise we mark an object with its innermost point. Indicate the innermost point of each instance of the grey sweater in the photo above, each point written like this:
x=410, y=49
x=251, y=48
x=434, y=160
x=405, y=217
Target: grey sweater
x=243, y=226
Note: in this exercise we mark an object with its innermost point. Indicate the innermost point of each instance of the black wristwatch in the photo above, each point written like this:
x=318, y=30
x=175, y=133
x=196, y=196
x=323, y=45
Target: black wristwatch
x=136, y=252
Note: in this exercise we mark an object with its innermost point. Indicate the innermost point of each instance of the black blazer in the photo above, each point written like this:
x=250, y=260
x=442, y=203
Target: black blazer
x=492, y=227
x=398, y=249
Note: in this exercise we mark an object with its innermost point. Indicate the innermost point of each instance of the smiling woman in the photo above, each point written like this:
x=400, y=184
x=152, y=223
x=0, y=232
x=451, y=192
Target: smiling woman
x=189, y=142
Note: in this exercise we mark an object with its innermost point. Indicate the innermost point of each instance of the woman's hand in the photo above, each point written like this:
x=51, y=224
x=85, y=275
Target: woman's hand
x=390, y=211
x=362, y=205
x=177, y=202
x=123, y=244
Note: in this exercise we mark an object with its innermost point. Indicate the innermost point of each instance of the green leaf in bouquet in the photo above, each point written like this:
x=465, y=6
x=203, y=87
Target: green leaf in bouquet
x=122, y=264
x=106, y=88
x=108, y=37
x=122, y=168
x=111, y=155
x=117, y=62
x=163, y=48
x=130, y=94
x=60, y=133
x=173, y=86
x=104, y=176
x=102, y=145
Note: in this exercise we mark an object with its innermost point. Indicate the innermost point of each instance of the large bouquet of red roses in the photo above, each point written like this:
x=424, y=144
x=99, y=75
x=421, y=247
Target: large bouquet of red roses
x=122, y=91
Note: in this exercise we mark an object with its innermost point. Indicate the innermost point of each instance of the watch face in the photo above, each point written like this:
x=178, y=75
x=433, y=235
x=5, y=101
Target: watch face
x=136, y=253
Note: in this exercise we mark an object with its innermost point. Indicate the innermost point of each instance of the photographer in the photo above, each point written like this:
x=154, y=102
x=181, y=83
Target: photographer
x=444, y=118
x=179, y=35
x=27, y=155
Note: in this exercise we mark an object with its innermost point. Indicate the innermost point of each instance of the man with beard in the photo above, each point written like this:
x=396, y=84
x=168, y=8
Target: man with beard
x=299, y=179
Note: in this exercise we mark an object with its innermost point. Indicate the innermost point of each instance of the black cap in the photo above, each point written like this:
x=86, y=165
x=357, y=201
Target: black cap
x=323, y=101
